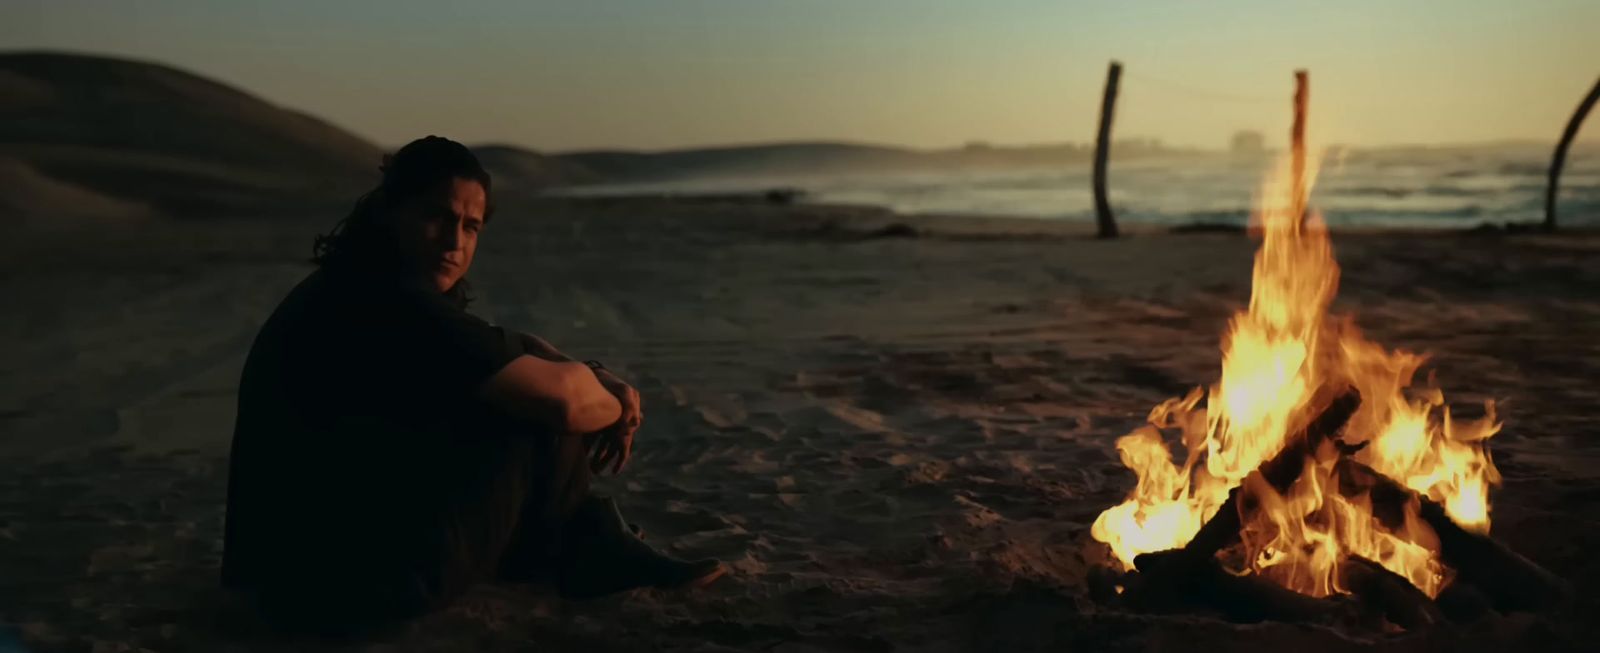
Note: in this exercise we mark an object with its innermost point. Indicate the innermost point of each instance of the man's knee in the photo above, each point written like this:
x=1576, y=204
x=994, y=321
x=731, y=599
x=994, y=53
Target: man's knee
x=570, y=452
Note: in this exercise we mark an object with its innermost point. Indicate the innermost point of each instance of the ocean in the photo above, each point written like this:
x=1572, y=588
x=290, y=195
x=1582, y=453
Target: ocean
x=1443, y=187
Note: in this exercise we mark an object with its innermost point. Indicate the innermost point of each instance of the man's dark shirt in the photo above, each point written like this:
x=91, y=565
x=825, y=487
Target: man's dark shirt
x=352, y=389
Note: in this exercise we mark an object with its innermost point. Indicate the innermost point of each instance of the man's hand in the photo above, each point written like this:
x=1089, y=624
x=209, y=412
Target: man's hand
x=614, y=445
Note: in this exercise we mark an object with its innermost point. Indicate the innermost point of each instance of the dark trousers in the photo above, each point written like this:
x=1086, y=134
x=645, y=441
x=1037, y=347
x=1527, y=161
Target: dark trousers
x=514, y=496
x=491, y=502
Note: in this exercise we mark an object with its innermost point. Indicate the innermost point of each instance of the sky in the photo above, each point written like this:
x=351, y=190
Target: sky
x=655, y=74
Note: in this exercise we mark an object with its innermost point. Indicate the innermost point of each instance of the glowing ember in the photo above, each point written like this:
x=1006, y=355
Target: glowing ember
x=1275, y=356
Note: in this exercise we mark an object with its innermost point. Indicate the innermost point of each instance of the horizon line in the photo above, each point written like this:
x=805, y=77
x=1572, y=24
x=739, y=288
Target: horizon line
x=1177, y=149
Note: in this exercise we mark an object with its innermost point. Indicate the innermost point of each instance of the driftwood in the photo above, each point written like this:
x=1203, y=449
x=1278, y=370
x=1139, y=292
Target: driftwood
x=1192, y=577
x=1388, y=593
x=1488, y=575
x=1222, y=530
x=1105, y=584
x=1174, y=581
x=1510, y=581
x=1462, y=602
x=1297, y=145
x=1106, y=222
x=1559, y=159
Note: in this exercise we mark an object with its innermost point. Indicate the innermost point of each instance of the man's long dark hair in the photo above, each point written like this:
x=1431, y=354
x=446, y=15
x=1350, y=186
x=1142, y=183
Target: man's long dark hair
x=361, y=243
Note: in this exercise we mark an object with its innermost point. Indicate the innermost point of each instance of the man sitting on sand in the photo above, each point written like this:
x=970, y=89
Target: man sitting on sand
x=392, y=449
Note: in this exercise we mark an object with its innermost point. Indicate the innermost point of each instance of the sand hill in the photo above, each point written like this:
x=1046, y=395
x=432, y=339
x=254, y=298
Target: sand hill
x=625, y=165
x=517, y=168
x=98, y=138
x=150, y=138
x=87, y=137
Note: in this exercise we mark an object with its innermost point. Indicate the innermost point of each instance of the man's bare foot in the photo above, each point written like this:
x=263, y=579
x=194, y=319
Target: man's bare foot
x=607, y=556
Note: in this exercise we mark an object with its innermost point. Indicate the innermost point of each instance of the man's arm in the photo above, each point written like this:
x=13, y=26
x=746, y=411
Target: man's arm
x=617, y=446
x=537, y=347
x=533, y=345
x=562, y=396
x=456, y=350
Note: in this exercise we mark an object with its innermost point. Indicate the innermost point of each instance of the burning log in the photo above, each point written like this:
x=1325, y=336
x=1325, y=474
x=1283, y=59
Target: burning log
x=1170, y=581
x=1286, y=524
x=1280, y=472
x=1510, y=581
x=1463, y=603
x=1388, y=593
x=1192, y=576
x=1489, y=575
x=1105, y=584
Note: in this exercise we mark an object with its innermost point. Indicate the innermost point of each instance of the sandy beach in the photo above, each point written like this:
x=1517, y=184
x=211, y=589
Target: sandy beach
x=896, y=437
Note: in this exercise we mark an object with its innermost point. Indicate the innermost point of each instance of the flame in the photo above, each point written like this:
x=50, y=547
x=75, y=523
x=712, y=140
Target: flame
x=1277, y=353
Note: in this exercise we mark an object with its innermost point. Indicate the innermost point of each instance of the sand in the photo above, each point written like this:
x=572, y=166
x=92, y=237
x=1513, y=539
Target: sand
x=897, y=443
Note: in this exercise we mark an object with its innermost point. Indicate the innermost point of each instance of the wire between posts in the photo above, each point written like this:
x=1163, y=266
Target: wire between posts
x=1194, y=91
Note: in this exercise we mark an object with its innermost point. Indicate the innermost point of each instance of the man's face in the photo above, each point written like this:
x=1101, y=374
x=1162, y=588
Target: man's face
x=438, y=232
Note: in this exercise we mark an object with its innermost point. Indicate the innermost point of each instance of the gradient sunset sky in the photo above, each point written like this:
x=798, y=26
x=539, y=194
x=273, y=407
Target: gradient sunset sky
x=669, y=73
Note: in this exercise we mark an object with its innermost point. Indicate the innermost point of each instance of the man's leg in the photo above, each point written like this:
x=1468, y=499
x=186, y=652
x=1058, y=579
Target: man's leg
x=532, y=519
x=558, y=486
x=512, y=490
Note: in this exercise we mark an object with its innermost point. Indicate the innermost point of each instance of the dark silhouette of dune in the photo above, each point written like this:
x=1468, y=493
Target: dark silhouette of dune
x=92, y=137
x=624, y=165
x=26, y=195
x=148, y=135
x=833, y=157
x=523, y=169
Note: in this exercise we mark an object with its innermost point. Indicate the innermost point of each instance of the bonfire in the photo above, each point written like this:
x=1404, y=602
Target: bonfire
x=1318, y=462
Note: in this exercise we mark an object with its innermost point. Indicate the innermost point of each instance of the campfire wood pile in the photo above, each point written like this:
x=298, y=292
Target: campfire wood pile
x=1489, y=576
x=1318, y=483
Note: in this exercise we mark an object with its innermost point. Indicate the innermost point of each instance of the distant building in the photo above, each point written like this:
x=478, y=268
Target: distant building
x=1248, y=142
x=1138, y=145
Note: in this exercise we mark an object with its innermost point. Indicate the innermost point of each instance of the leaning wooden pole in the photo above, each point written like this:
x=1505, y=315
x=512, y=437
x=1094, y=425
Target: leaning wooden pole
x=1102, y=148
x=1560, y=159
x=1297, y=145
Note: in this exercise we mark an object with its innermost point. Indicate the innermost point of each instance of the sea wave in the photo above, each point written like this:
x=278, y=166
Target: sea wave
x=1423, y=189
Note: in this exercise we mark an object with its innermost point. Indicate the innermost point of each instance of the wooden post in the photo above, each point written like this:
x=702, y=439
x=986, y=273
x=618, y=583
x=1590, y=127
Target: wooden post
x=1102, y=148
x=1560, y=158
x=1297, y=144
